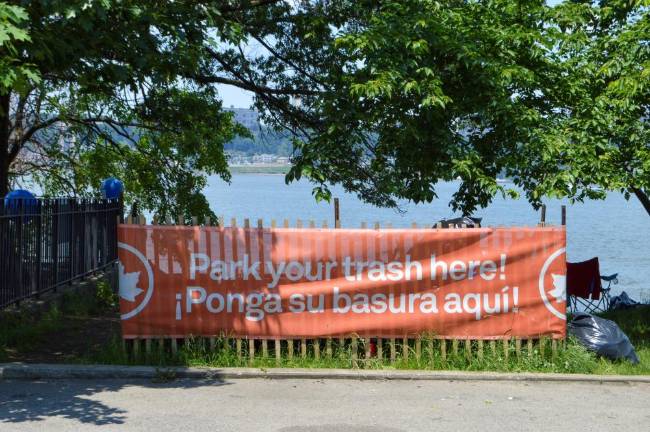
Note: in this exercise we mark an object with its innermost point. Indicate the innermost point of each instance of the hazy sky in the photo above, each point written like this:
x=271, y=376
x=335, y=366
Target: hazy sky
x=238, y=98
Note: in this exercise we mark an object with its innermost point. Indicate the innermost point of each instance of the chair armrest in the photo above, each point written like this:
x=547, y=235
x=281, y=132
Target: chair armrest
x=610, y=278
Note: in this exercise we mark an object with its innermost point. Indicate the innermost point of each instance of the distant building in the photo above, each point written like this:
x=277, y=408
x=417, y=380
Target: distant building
x=247, y=117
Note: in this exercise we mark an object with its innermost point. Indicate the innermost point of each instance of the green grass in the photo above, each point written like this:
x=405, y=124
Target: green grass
x=196, y=352
x=635, y=323
x=26, y=331
x=570, y=357
x=22, y=331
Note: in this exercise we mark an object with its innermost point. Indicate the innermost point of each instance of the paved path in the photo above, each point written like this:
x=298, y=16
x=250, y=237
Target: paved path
x=316, y=405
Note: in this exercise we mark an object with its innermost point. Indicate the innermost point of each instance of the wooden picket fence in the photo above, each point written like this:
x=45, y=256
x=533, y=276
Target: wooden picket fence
x=360, y=348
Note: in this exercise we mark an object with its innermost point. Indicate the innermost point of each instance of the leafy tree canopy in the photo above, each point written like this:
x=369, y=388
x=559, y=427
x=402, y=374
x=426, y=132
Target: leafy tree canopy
x=386, y=98
x=98, y=88
x=554, y=97
x=603, y=138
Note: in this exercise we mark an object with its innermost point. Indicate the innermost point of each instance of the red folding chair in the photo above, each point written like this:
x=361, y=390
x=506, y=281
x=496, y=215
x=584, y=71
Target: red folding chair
x=585, y=290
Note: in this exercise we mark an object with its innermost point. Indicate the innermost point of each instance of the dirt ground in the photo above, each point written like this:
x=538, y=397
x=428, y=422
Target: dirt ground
x=78, y=338
x=70, y=325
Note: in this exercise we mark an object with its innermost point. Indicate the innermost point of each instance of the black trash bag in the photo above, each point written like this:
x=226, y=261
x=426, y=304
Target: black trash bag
x=623, y=301
x=603, y=337
x=469, y=222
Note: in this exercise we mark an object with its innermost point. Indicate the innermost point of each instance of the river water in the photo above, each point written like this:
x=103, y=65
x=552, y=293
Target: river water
x=615, y=230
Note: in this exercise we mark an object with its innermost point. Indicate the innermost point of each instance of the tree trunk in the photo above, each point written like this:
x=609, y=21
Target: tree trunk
x=4, y=178
x=4, y=144
x=643, y=197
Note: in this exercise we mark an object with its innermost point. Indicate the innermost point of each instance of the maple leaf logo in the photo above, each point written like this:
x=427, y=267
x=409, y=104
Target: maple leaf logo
x=129, y=284
x=559, y=288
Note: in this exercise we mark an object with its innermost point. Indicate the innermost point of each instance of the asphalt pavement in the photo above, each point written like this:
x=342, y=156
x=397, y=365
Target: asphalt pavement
x=321, y=405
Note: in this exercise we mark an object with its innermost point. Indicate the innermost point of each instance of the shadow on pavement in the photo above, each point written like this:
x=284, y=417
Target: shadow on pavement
x=34, y=401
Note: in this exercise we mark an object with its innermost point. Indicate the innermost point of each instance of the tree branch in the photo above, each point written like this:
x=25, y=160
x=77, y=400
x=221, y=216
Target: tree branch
x=643, y=197
x=286, y=60
x=246, y=85
x=20, y=141
x=251, y=5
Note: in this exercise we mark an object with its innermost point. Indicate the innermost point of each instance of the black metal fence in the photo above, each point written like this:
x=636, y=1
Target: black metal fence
x=46, y=243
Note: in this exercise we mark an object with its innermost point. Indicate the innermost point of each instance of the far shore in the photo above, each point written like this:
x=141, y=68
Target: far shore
x=260, y=169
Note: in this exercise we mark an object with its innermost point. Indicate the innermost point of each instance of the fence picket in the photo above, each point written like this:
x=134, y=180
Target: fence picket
x=554, y=349
x=317, y=348
x=212, y=340
x=443, y=349
x=181, y=222
x=380, y=348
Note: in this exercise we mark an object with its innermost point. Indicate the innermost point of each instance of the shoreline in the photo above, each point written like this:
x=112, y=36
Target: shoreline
x=260, y=169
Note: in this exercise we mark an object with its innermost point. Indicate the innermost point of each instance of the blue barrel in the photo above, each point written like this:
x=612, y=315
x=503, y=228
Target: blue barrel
x=112, y=188
x=21, y=201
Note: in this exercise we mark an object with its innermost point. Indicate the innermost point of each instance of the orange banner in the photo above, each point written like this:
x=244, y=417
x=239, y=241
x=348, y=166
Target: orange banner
x=484, y=283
